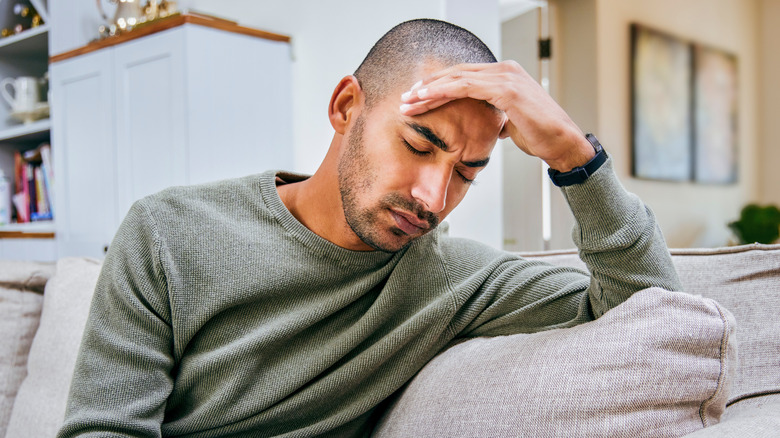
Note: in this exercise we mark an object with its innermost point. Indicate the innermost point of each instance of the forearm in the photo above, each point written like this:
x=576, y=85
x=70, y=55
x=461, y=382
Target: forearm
x=618, y=239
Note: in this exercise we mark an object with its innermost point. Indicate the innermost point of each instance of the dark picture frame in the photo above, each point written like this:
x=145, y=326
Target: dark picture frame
x=683, y=109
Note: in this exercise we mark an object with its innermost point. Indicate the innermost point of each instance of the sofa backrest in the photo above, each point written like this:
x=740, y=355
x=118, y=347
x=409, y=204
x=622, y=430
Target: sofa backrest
x=745, y=280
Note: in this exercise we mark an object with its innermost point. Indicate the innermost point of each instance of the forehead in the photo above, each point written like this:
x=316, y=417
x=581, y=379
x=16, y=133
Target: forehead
x=462, y=117
x=467, y=119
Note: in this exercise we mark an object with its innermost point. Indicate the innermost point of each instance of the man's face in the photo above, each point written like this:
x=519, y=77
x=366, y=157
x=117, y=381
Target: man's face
x=400, y=176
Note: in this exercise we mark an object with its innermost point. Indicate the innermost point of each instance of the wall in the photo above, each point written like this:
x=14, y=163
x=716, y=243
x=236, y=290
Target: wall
x=769, y=64
x=689, y=214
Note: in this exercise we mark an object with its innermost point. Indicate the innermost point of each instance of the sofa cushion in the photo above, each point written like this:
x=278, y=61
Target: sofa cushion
x=744, y=279
x=21, y=289
x=755, y=417
x=40, y=404
x=659, y=364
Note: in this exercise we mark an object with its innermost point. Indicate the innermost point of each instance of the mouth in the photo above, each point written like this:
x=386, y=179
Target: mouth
x=409, y=223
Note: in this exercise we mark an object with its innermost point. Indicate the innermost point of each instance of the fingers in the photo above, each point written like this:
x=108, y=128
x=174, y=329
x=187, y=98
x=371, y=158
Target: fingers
x=489, y=82
x=437, y=93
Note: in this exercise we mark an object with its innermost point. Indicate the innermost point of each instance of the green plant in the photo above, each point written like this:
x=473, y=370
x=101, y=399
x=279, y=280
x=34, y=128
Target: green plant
x=757, y=224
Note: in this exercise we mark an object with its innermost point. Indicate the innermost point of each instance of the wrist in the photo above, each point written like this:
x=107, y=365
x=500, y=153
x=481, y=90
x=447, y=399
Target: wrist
x=579, y=154
x=579, y=174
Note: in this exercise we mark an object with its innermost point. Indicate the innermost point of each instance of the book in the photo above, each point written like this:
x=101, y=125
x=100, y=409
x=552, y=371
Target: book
x=33, y=177
x=48, y=175
x=29, y=174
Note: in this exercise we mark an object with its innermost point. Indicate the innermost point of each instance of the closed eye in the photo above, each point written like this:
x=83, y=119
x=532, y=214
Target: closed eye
x=420, y=153
x=414, y=150
x=465, y=178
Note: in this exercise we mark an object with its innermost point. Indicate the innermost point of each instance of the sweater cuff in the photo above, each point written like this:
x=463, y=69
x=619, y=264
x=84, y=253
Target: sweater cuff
x=601, y=206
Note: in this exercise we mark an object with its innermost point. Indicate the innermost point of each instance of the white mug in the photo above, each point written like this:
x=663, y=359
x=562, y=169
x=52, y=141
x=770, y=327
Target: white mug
x=26, y=93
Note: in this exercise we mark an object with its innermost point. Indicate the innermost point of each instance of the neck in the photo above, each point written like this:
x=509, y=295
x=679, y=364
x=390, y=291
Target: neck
x=316, y=203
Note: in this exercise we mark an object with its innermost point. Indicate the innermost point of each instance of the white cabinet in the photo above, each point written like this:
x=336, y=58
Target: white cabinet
x=182, y=106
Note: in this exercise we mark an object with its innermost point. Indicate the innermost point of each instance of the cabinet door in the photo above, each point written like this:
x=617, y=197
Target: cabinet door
x=83, y=149
x=150, y=111
x=239, y=105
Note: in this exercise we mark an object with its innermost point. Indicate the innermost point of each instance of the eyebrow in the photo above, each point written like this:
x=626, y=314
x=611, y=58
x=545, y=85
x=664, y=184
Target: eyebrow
x=429, y=135
x=441, y=144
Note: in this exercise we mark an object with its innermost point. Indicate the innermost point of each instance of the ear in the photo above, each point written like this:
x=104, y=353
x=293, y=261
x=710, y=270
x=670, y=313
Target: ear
x=347, y=99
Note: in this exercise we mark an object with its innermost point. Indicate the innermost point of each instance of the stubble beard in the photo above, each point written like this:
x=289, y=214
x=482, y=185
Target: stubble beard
x=355, y=178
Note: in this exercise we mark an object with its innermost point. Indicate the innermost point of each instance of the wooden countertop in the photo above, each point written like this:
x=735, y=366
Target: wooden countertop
x=145, y=29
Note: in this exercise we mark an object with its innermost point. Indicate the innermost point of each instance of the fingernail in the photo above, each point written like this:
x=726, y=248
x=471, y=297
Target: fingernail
x=405, y=107
x=421, y=93
x=416, y=85
x=406, y=95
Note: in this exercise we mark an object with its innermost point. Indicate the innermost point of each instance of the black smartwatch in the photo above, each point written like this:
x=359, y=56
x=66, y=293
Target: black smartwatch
x=578, y=175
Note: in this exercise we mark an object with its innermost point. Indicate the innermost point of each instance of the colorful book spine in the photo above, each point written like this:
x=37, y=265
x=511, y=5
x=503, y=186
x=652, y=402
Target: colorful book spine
x=48, y=175
x=34, y=180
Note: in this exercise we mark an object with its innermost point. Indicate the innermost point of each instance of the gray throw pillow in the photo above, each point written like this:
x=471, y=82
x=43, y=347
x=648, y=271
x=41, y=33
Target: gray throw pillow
x=658, y=365
x=39, y=408
x=21, y=297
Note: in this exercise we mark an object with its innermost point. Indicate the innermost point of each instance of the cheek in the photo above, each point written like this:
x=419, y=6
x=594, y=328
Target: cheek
x=455, y=194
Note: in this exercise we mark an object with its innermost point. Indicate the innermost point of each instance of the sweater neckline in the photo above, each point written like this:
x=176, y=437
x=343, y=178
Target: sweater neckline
x=307, y=237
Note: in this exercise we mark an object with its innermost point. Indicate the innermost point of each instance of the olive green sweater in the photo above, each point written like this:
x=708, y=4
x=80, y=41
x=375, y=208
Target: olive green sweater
x=218, y=314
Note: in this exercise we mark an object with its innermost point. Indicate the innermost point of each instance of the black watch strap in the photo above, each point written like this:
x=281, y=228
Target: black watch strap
x=578, y=175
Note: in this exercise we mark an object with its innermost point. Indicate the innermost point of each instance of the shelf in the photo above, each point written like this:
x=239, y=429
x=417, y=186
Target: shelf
x=31, y=42
x=35, y=131
x=34, y=230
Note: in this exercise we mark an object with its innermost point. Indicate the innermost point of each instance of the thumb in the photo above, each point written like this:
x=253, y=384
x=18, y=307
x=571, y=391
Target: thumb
x=507, y=129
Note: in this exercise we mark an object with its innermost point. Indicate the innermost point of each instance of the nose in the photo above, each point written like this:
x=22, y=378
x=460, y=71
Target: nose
x=430, y=189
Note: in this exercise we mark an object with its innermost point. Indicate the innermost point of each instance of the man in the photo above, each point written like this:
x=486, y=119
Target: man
x=281, y=305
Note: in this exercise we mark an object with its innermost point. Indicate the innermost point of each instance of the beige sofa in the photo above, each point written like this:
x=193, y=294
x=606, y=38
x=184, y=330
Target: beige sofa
x=661, y=364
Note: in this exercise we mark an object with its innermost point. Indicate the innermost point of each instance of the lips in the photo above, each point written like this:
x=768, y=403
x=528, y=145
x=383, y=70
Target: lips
x=409, y=223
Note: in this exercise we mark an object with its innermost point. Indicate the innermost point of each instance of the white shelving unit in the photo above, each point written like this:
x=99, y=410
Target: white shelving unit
x=24, y=54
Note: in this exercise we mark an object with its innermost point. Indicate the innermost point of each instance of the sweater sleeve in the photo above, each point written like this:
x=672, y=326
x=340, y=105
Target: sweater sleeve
x=619, y=241
x=122, y=377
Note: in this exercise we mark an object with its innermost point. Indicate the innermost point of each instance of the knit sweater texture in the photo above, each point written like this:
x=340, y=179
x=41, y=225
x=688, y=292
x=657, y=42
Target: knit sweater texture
x=218, y=314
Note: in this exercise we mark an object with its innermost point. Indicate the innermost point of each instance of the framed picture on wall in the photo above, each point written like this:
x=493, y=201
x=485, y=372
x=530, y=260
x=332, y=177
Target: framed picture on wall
x=715, y=110
x=661, y=95
x=683, y=109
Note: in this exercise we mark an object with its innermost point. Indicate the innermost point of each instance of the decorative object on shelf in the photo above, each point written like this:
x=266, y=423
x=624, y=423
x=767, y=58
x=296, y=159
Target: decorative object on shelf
x=24, y=98
x=128, y=14
x=166, y=9
x=24, y=17
x=684, y=109
x=757, y=224
x=132, y=13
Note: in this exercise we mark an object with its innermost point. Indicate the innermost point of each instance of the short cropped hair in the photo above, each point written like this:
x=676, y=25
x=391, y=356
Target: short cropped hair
x=393, y=59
